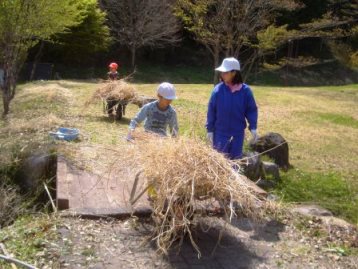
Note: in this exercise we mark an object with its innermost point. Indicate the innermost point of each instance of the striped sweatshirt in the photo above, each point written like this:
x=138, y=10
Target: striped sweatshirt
x=156, y=120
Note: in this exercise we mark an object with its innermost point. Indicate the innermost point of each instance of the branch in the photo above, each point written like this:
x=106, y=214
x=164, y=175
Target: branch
x=2, y=246
x=50, y=197
x=13, y=260
x=327, y=25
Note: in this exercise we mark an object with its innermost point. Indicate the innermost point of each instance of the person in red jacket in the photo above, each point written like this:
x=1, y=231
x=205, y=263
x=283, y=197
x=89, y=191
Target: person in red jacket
x=113, y=73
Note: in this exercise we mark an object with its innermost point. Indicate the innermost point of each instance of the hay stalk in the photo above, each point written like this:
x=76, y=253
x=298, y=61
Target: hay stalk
x=118, y=90
x=183, y=173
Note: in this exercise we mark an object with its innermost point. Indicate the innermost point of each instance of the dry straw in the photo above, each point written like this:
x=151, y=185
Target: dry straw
x=182, y=172
x=118, y=90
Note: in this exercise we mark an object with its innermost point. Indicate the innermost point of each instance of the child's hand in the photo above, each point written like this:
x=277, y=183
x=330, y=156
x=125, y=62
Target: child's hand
x=129, y=136
x=254, y=135
x=210, y=137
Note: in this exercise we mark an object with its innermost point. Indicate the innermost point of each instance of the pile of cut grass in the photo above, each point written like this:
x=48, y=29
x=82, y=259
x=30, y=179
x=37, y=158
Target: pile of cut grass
x=182, y=172
x=118, y=90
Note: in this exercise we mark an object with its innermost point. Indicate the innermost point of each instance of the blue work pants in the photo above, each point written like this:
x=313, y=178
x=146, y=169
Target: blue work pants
x=231, y=146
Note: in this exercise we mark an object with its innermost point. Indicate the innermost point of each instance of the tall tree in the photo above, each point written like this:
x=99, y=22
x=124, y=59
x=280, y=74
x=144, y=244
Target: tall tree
x=229, y=26
x=327, y=19
x=345, y=14
x=81, y=42
x=333, y=22
x=139, y=23
x=22, y=24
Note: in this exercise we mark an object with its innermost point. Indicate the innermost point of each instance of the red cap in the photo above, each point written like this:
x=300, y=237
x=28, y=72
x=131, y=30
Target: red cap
x=113, y=65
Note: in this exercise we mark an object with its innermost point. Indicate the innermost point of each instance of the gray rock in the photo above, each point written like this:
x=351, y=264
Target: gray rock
x=263, y=183
x=253, y=167
x=312, y=210
x=271, y=169
x=256, y=169
x=276, y=147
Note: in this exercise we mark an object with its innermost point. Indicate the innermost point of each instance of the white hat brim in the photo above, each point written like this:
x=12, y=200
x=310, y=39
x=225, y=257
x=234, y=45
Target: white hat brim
x=222, y=69
x=170, y=98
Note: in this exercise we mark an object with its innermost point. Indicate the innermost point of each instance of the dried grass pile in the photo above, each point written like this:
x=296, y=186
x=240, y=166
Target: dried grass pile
x=42, y=123
x=48, y=92
x=118, y=90
x=141, y=100
x=183, y=172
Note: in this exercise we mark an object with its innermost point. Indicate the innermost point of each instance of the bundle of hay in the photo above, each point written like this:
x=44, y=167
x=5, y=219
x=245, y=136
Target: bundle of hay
x=141, y=100
x=118, y=90
x=180, y=173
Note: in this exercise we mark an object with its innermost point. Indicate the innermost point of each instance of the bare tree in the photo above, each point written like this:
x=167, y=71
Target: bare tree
x=229, y=26
x=139, y=23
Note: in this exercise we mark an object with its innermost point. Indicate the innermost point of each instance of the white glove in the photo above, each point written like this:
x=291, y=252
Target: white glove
x=210, y=137
x=254, y=135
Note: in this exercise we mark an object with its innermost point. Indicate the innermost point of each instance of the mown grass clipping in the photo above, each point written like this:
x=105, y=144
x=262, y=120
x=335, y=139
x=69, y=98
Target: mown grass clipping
x=183, y=172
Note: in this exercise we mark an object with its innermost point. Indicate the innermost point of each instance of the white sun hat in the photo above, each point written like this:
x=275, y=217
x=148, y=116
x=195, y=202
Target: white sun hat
x=229, y=64
x=167, y=91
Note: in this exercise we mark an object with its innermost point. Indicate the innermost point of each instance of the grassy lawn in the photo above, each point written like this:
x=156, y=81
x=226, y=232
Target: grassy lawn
x=320, y=124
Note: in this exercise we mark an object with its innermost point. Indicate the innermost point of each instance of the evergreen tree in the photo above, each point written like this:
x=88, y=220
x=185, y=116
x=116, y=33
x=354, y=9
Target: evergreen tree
x=81, y=42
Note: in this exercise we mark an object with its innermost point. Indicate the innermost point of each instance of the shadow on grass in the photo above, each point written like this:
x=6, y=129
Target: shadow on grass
x=106, y=119
x=319, y=74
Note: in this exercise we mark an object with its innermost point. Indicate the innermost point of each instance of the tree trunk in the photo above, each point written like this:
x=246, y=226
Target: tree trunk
x=36, y=60
x=9, y=88
x=216, y=55
x=6, y=100
x=133, y=54
x=248, y=71
x=230, y=50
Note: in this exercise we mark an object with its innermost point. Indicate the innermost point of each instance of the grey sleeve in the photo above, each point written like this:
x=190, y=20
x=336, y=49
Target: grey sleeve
x=141, y=115
x=173, y=125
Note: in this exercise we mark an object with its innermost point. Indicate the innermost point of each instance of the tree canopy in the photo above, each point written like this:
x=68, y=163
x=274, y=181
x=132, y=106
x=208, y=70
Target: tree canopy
x=22, y=24
x=72, y=32
x=80, y=42
x=230, y=27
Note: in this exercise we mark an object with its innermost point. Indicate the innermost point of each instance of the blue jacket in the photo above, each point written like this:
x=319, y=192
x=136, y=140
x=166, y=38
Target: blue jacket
x=228, y=112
